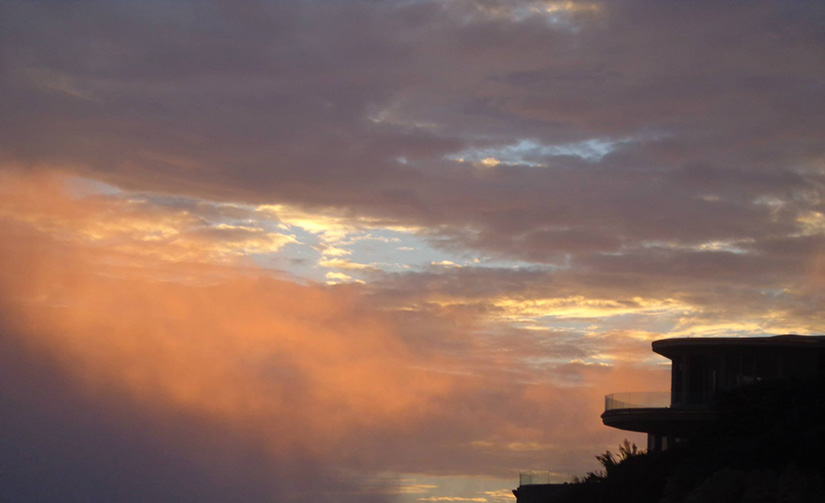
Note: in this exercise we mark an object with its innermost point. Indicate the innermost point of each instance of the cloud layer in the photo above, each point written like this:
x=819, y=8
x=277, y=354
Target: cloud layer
x=223, y=366
x=508, y=199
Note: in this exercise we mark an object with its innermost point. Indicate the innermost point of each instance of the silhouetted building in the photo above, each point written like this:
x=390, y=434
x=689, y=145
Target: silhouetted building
x=701, y=369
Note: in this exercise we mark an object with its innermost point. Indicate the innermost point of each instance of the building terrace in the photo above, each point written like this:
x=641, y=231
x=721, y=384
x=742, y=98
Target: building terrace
x=702, y=369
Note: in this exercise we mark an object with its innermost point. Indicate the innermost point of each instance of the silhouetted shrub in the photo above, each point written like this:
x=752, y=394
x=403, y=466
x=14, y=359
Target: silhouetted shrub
x=768, y=445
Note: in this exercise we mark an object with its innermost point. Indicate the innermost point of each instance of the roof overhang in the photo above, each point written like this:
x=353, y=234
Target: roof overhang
x=672, y=347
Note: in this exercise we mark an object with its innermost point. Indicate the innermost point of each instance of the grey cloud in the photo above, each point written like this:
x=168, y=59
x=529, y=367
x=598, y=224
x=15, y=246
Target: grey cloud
x=315, y=104
x=774, y=282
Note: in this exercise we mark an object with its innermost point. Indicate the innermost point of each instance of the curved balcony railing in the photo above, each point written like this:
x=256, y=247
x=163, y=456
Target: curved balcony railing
x=637, y=400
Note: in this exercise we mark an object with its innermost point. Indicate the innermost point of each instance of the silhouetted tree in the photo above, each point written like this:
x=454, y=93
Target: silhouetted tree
x=610, y=461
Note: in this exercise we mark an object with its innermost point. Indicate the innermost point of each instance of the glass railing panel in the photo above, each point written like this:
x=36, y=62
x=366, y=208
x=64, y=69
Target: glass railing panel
x=637, y=400
x=534, y=478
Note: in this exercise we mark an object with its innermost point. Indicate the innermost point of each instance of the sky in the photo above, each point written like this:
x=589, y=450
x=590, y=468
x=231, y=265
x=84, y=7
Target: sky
x=384, y=251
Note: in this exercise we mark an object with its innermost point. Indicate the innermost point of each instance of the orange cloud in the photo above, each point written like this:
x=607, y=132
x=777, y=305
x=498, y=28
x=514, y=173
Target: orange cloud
x=302, y=366
x=304, y=369
x=127, y=226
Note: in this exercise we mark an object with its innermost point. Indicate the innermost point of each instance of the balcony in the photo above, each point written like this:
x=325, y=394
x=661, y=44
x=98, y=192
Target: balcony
x=651, y=412
x=637, y=400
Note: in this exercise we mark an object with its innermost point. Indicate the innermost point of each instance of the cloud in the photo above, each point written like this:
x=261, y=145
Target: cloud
x=281, y=115
x=221, y=365
x=240, y=349
x=295, y=372
x=651, y=170
x=62, y=442
x=130, y=225
x=342, y=263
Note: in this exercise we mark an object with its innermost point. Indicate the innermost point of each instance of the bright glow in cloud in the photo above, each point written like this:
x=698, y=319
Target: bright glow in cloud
x=445, y=263
x=581, y=307
x=131, y=225
x=343, y=264
x=489, y=162
x=811, y=222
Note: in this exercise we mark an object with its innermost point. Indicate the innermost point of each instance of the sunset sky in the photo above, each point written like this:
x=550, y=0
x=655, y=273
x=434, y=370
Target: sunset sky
x=384, y=251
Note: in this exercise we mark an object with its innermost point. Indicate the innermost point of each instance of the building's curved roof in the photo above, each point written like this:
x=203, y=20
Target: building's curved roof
x=670, y=347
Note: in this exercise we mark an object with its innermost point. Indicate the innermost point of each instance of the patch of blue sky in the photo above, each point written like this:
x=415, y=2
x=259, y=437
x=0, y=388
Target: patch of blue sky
x=520, y=265
x=556, y=14
x=297, y=259
x=661, y=320
x=658, y=321
x=385, y=249
x=396, y=251
x=773, y=292
x=747, y=331
x=531, y=152
x=84, y=187
x=554, y=18
x=727, y=246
